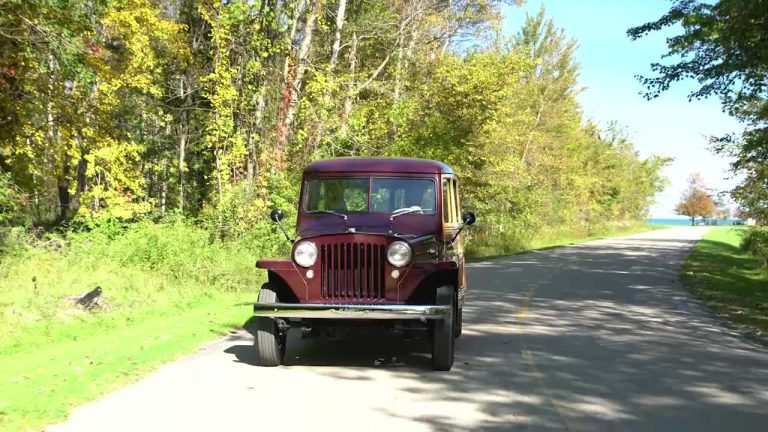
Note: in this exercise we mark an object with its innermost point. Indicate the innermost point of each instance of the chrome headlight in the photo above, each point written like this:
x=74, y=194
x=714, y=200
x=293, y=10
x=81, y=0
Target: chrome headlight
x=399, y=254
x=305, y=254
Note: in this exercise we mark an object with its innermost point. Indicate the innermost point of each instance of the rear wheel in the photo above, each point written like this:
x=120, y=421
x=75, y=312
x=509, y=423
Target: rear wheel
x=270, y=339
x=443, y=332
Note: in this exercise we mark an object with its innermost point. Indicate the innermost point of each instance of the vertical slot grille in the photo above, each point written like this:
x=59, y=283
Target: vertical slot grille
x=352, y=271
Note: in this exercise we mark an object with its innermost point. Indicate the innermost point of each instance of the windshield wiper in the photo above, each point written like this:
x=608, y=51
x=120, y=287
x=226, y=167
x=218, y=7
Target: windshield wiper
x=341, y=215
x=412, y=209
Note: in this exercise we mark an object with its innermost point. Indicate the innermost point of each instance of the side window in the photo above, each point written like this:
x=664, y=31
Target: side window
x=456, y=209
x=446, y=200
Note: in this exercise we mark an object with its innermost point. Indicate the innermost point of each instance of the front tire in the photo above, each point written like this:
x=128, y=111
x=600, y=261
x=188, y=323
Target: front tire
x=459, y=321
x=270, y=340
x=443, y=332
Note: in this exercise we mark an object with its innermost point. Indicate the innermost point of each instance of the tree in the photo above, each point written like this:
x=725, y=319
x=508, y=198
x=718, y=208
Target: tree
x=724, y=46
x=696, y=200
x=11, y=202
x=722, y=211
x=211, y=109
x=752, y=193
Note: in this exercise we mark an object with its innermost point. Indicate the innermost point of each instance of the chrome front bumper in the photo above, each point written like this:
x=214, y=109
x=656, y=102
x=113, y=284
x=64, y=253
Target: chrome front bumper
x=334, y=311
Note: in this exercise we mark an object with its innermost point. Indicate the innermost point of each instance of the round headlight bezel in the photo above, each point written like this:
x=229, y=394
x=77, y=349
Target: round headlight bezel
x=305, y=254
x=401, y=246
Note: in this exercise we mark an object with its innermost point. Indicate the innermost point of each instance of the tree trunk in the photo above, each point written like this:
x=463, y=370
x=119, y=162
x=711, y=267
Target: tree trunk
x=81, y=174
x=250, y=168
x=183, y=137
x=293, y=87
x=62, y=186
x=337, y=38
x=399, y=64
x=96, y=201
x=54, y=143
x=347, y=108
x=254, y=137
x=291, y=35
x=164, y=187
x=535, y=124
x=219, y=184
x=317, y=139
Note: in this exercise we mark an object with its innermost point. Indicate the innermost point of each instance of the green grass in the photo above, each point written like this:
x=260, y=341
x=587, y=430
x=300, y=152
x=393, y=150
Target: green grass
x=40, y=386
x=729, y=280
x=491, y=250
x=166, y=289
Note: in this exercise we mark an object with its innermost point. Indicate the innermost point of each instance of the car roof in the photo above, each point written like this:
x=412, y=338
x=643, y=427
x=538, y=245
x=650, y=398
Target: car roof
x=378, y=165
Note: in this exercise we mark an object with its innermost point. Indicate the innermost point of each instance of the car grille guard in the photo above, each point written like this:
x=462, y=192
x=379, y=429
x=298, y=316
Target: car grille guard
x=352, y=270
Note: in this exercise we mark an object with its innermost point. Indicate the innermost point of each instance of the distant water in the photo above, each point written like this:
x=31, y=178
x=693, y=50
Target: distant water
x=688, y=221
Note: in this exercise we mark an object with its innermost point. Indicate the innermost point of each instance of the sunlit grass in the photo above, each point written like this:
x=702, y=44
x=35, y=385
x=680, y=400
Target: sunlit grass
x=729, y=280
x=166, y=290
x=41, y=385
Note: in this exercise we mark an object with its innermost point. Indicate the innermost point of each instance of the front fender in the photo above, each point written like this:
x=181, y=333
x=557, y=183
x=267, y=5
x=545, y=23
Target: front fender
x=290, y=276
x=424, y=276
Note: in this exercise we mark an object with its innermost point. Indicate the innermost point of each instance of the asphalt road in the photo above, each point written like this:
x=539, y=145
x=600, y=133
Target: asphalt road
x=598, y=336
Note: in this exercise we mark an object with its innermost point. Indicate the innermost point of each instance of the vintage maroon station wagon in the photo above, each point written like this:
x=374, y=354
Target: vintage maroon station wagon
x=378, y=239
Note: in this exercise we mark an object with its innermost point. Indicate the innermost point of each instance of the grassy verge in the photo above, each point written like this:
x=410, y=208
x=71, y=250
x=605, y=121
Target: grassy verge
x=491, y=250
x=729, y=280
x=41, y=386
x=167, y=288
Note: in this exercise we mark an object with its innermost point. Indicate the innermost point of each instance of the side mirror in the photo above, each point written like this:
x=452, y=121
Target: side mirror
x=276, y=215
x=468, y=217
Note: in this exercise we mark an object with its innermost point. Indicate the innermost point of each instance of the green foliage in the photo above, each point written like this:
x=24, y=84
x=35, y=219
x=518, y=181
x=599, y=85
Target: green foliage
x=167, y=287
x=755, y=241
x=506, y=118
x=11, y=202
x=752, y=192
x=159, y=107
x=722, y=47
x=141, y=267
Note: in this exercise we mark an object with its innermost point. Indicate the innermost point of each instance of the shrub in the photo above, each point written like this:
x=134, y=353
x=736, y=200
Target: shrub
x=12, y=202
x=180, y=250
x=755, y=241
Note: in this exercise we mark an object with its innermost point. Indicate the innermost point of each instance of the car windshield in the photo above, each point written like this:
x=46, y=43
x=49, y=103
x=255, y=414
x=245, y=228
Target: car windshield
x=387, y=195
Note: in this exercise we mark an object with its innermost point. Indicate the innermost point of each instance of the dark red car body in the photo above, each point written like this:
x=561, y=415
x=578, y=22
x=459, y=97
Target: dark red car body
x=351, y=276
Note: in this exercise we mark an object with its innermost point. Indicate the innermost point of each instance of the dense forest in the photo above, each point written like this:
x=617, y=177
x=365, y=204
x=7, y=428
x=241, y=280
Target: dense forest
x=208, y=110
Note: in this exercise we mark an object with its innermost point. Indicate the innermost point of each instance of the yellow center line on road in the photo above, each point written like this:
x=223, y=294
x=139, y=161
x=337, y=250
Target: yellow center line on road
x=522, y=315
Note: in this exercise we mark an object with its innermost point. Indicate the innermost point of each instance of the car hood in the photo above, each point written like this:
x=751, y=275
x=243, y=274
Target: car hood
x=375, y=230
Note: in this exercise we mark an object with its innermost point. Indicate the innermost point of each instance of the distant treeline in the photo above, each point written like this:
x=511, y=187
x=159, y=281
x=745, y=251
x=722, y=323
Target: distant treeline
x=209, y=110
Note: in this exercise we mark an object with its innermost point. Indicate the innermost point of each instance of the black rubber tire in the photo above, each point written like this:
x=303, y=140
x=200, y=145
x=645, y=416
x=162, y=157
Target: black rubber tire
x=269, y=341
x=443, y=333
x=458, y=322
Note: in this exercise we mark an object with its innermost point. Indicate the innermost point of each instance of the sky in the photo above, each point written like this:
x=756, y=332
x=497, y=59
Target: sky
x=670, y=125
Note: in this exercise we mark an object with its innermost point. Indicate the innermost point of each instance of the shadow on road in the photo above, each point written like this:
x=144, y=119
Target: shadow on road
x=599, y=336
